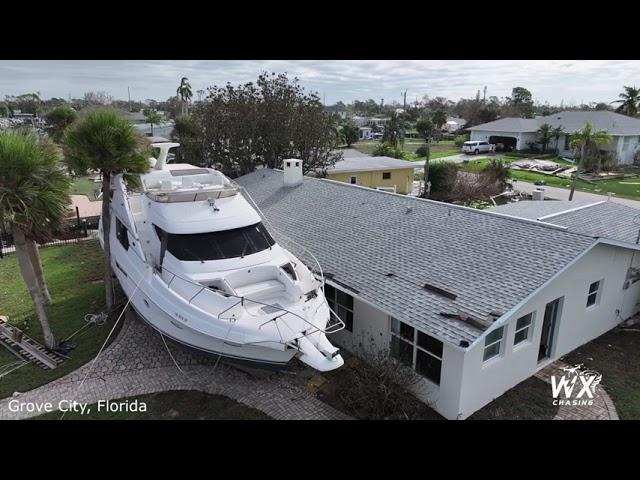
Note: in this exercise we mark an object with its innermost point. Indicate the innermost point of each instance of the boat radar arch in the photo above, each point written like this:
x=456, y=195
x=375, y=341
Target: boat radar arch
x=164, y=151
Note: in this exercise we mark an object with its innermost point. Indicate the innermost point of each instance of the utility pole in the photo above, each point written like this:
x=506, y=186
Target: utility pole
x=484, y=95
x=404, y=102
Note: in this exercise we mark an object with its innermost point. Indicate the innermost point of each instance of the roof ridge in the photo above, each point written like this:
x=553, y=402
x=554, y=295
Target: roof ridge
x=575, y=209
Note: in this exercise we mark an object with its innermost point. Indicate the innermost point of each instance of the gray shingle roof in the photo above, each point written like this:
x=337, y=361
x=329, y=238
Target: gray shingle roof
x=361, y=235
x=571, y=121
x=357, y=163
x=534, y=210
x=605, y=219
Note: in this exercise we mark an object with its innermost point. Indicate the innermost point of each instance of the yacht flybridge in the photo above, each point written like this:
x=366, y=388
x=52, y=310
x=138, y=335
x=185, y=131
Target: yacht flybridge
x=198, y=264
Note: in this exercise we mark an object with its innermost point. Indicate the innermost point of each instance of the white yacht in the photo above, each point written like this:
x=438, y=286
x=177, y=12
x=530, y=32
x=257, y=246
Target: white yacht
x=198, y=264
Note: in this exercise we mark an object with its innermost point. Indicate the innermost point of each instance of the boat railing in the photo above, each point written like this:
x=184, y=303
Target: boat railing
x=334, y=324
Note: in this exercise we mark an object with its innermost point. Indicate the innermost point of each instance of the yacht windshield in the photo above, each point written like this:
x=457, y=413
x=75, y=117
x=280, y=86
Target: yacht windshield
x=218, y=245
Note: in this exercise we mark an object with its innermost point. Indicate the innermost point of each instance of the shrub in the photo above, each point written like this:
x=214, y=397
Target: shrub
x=460, y=139
x=376, y=387
x=499, y=171
x=421, y=151
x=442, y=175
x=387, y=150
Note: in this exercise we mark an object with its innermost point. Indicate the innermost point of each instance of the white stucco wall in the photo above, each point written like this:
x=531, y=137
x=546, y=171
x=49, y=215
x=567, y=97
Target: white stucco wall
x=484, y=381
x=521, y=138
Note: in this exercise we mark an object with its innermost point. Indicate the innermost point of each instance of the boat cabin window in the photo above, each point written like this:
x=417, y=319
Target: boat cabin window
x=121, y=234
x=234, y=243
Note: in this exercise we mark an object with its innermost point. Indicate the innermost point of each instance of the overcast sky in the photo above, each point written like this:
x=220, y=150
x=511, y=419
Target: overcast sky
x=574, y=81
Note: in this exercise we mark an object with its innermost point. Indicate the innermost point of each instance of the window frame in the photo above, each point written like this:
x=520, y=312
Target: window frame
x=353, y=179
x=123, y=239
x=596, y=294
x=415, y=347
x=499, y=342
x=528, y=328
x=386, y=175
x=335, y=305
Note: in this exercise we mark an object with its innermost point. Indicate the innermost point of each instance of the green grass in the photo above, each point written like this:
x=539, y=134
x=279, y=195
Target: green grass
x=438, y=149
x=84, y=186
x=171, y=405
x=617, y=357
x=74, y=275
x=619, y=187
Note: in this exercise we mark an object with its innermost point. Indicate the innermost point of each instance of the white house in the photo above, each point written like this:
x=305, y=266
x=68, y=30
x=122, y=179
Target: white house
x=474, y=301
x=518, y=133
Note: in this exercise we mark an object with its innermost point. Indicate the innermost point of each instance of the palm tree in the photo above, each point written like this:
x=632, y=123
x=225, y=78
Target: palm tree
x=34, y=194
x=425, y=128
x=106, y=142
x=185, y=94
x=544, y=136
x=584, y=139
x=629, y=101
x=556, y=133
x=152, y=117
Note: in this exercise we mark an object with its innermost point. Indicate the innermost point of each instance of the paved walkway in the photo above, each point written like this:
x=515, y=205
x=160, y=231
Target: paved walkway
x=603, y=407
x=138, y=363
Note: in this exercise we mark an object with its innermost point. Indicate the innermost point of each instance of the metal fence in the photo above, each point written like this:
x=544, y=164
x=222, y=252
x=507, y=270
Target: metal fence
x=71, y=230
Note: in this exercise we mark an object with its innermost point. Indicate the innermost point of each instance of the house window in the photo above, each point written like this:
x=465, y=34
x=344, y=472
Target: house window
x=121, y=234
x=353, y=180
x=342, y=304
x=493, y=344
x=386, y=175
x=592, y=296
x=523, y=329
x=416, y=350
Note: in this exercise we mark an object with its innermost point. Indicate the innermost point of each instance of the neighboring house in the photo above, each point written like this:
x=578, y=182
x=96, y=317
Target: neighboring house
x=519, y=133
x=365, y=133
x=472, y=300
x=374, y=172
x=454, y=124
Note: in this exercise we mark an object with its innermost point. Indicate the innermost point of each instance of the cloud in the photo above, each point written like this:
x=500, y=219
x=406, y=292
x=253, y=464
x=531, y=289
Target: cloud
x=346, y=80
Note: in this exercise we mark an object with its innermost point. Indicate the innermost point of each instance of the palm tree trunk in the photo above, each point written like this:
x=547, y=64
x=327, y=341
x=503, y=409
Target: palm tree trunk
x=36, y=263
x=29, y=277
x=106, y=229
x=575, y=177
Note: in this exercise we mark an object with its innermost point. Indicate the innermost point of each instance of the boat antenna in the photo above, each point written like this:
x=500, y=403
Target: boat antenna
x=164, y=151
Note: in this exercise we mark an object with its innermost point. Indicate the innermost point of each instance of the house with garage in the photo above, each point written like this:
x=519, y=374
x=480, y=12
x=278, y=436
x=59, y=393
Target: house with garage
x=384, y=173
x=474, y=301
x=520, y=133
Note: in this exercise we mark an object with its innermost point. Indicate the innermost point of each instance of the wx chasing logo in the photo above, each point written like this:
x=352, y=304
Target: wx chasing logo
x=576, y=387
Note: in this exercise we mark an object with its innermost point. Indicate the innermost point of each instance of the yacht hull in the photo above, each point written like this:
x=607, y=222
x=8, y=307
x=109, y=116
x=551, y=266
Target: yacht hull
x=149, y=310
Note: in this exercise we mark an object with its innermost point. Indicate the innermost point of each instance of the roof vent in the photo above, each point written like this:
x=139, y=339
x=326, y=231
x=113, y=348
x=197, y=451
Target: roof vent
x=439, y=291
x=464, y=343
x=409, y=209
x=390, y=274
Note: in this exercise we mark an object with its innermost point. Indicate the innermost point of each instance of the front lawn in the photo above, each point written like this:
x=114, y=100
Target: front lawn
x=171, y=405
x=441, y=149
x=616, y=355
x=74, y=275
x=85, y=186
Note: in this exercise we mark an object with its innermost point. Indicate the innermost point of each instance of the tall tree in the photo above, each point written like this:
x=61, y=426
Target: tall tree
x=348, y=133
x=152, y=117
x=425, y=128
x=556, y=133
x=544, y=136
x=58, y=120
x=521, y=102
x=584, y=139
x=34, y=194
x=629, y=101
x=106, y=142
x=185, y=94
x=439, y=118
